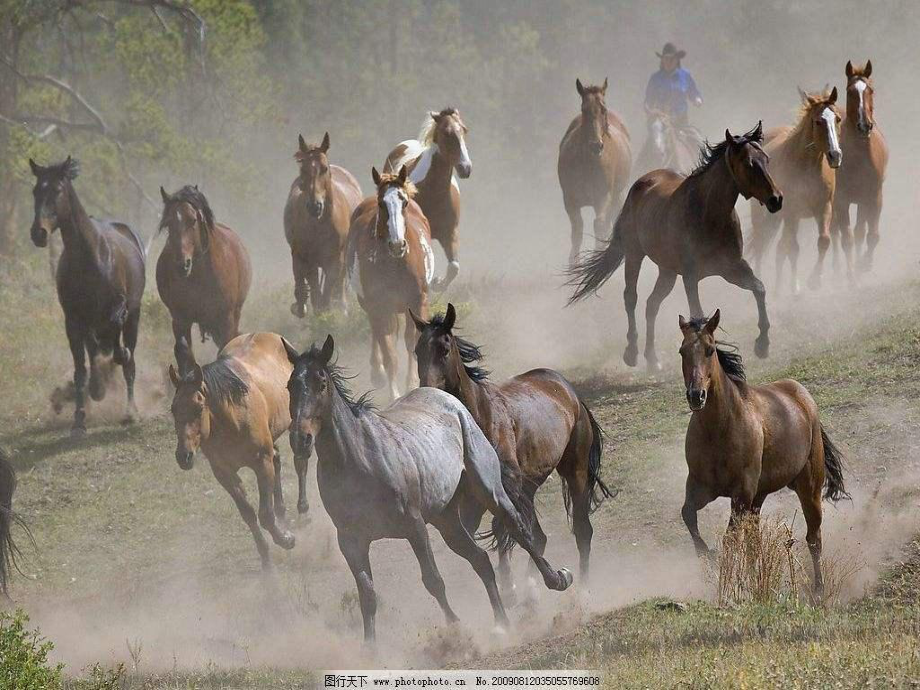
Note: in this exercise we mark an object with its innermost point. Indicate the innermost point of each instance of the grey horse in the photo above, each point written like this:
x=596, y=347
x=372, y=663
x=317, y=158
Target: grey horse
x=388, y=474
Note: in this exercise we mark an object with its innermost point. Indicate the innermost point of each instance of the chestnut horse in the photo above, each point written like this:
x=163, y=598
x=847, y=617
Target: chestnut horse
x=390, y=241
x=746, y=442
x=860, y=180
x=665, y=147
x=803, y=160
x=234, y=409
x=316, y=218
x=535, y=421
x=203, y=273
x=688, y=226
x=593, y=166
x=100, y=282
x=432, y=159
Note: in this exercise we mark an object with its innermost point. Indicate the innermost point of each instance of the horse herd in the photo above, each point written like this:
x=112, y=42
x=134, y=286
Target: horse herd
x=461, y=445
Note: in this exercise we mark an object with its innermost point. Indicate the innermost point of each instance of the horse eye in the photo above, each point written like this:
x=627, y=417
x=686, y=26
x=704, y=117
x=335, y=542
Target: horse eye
x=709, y=351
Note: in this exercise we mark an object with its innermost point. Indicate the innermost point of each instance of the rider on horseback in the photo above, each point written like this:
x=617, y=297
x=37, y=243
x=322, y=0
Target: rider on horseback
x=670, y=89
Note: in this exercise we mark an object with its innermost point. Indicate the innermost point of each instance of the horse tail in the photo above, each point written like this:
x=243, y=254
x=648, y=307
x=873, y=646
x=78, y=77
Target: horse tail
x=599, y=491
x=590, y=273
x=834, y=490
x=9, y=551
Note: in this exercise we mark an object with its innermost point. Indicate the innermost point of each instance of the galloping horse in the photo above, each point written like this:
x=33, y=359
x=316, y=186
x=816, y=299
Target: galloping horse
x=664, y=147
x=390, y=241
x=316, y=218
x=746, y=442
x=688, y=226
x=803, y=161
x=860, y=181
x=234, y=409
x=100, y=282
x=432, y=159
x=203, y=273
x=9, y=552
x=535, y=421
x=386, y=475
x=593, y=166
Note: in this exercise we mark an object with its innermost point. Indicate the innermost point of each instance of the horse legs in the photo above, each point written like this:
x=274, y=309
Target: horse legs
x=97, y=379
x=692, y=288
x=841, y=222
x=452, y=252
x=386, y=325
x=233, y=486
x=420, y=308
x=663, y=287
x=696, y=498
x=278, y=493
x=578, y=231
x=316, y=290
x=76, y=337
x=378, y=335
x=265, y=477
x=740, y=274
x=823, y=216
x=630, y=299
x=185, y=358
x=301, y=463
x=128, y=364
x=298, y=308
x=603, y=222
x=873, y=214
x=789, y=249
x=809, y=493
x=859, y=234
x=431, y=576
x=334, y=289
x=357, y=554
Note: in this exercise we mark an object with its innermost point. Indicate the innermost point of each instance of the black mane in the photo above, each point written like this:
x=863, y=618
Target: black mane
x=65, y=170
x=469, y=353
x=710, y=154
x=339, y=378
x=729, y=359
x=222, y=382
x=192, y=195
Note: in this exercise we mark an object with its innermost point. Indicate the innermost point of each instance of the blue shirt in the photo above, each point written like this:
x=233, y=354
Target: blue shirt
x=670, y=93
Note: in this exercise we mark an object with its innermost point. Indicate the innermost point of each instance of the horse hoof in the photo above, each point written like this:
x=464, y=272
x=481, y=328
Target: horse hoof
x=78, y=432
x=128, y=419
x=762, y=347
x=567, y=579
x=285, y=540
x=303, y=508
x=653, y=365
x=298, y=310
x=631, y=356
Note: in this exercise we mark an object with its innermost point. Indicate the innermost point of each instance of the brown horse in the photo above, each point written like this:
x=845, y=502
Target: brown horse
x=203, y=273
x=535, y=421
x=316, y=218
x=666, y=146
x=234, y=409
x=746, y=442
x=390, y=241
x=688, y=226
x=100, y=282
x=860, y=181
x=593, y=166
x=803, y=161
x=432, y=159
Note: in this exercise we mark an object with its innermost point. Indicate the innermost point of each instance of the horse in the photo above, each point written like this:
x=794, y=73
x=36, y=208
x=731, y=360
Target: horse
x=535, y=421
x=316, y=218
x=390, y=248
x=432, y=159
x=746, y=442
x=688, y=226
x=100, y=282
x=804, y=159
x=9, y=550
x=203, y=273
x=860, y=181
x=665, y=147
x=235, y=409
x=593, y=165
x=388, y=474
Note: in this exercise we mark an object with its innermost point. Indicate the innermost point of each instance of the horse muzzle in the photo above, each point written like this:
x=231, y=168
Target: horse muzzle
x=864, y=128
x=834, y=158
x=186, y=267
x=316, y=209
x=39, y=235
x=696, y=398
x=185, y=459
x=774, y=203
x=301, y=444
x=398, y=250
x=464, y=170
x=596, y=147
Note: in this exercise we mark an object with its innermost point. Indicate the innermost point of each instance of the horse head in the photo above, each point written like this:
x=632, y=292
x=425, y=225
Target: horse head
x=52, y=197
x=394, y=191
x=698, y=357
x=860, y=97
x=310, y=388
x=315, y=179
x=594, y=115
x=823, y=119
x=449, y=135
x=749, y=167
x=190, y=414
x=188, y=219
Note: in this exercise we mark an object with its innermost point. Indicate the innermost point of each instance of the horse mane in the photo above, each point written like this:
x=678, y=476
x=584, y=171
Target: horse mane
x=470, y=354
x=67, y=169
x=223, y=382
x=393, y=179
x=426, y=133
x=339, y=377
x=196, y=199
x=710, y=154
x=801, y=126
x=593, y=89
x=729, y=358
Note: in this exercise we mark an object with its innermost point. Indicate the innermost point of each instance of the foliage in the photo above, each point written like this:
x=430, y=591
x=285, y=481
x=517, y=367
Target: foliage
x=24, y=653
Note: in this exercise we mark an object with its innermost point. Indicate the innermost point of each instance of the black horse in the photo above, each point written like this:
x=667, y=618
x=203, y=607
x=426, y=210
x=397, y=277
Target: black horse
x=8, y=549
x=100, y=282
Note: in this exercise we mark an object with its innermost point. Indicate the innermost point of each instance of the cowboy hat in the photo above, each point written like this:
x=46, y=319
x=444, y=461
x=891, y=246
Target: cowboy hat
x=670, y=50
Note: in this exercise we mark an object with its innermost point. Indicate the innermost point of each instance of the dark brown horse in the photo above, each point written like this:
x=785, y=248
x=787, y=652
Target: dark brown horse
x=390, y=242
x=593, y=166
x=535, y=421
x=688, y=226
x=316, y=219
x=746, y=442
x=100, y=282
x=431, y=160
x=803, y=161
x=234, y=409
x=665, y=147
x=203, y=273
x=860, y=179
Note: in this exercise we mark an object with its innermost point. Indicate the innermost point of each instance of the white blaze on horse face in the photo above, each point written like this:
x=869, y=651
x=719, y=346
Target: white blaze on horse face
x=860, y=87
x=394, y=198
x=464, y=152
x=833, y=145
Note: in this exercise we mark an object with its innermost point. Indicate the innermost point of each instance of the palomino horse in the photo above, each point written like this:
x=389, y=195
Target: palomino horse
x=860, y=180
x=9, y=552
x=391, y=243
x=689, y=227
x=746, y=442
x=203, y=273
x=234, y=409
x=665, y=147
x=316, y=218
x=386, y=475
x=593, y=166
x=432, y=159
x=535, y=421
x=100, y=282
x=803, y=161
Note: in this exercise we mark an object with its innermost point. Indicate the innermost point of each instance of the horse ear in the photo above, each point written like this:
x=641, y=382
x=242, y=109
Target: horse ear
x=325, y=145
x=802, y=95
x=196, y=376
x=290, y=351
x=867, y=70
x=375, y=176
x=728, y=135
x=604, y=87
x=301, y=143
x=713, y=322
x=164, y=194
x=849, y=69
x=174, y=376
x=833, y=97
x=403, y=175
x=758, y=131
x=36, y=168
x=450, y=318
x=579, y=87
x=434, y=115
x=419, y=323
x=328, y=349
x=682, y=322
